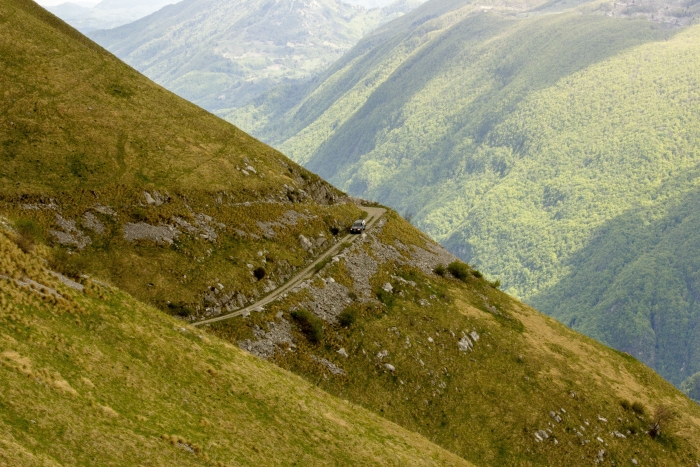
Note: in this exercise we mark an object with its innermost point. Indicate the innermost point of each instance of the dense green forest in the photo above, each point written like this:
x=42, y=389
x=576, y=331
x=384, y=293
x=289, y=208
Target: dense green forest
x=637, y=284
x=517, y=138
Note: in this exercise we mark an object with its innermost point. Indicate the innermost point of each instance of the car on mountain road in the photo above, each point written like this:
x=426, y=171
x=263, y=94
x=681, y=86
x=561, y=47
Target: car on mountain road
x=358, y=226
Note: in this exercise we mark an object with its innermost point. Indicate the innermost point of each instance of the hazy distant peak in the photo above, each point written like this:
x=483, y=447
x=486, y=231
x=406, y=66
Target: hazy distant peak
x=370, y=3
x=152, y=5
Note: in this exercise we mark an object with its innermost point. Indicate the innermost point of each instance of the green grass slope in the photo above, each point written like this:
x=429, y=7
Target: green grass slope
x=94, y=377
x=220, y=54
x=514, y=137
x=130, y=182
x=464, y=364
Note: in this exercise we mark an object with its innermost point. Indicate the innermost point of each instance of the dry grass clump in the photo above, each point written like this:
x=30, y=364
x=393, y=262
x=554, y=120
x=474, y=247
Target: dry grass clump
x=179, y=441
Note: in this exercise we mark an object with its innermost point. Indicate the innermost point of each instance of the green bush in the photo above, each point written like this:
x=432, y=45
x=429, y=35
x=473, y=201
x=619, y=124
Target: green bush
x=347, y=318
x=440, y=270
x=28, y=233
x=625, y=404
x=638, y=408
x=309, y=325
x=458, y=270
x=477, y=274
x=180, y=309
x=259, y=273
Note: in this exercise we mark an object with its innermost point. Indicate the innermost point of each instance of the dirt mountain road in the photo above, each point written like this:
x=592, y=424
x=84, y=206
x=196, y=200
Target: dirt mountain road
x=373, y=214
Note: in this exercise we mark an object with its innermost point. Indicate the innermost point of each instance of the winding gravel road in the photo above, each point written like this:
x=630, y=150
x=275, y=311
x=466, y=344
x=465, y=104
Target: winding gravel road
x=374, y=214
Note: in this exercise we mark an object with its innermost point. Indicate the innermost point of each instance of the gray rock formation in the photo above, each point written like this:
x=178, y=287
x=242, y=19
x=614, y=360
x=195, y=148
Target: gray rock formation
x=329, y=301
x=305, y=243
x=335, y=369
x=90, y=221
x=70, y=235
x=280, y=332
x=465, y=344
x=156, y=233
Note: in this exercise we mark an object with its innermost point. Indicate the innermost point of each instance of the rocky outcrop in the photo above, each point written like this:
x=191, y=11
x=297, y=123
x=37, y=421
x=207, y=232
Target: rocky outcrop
x=332, y=367
x=156, y=233
x=155, y=198
x=90, y=221
x=203, y=226
x=322, y=193
x=305, y=243
x=328, y=302
x=69, y=235
x=279, y=333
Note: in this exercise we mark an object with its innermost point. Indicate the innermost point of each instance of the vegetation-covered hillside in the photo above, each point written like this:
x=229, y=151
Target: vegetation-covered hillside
x=637, y=284
x=220, y=54
x=514, y=140
x=464, y=364
x=109, y=179
x=143, y=188
x=89, y=376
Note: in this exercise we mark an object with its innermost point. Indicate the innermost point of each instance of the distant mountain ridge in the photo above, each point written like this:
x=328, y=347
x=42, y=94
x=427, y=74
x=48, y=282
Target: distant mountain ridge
x=106, y=14
x=220, y=53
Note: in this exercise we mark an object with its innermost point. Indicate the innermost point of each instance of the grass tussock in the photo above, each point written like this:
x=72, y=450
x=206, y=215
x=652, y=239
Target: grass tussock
x=309, y=325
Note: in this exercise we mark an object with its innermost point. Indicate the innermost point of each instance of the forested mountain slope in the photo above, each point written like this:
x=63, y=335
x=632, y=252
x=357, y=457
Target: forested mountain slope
x=124, y=188
x=219, y=54
x=514, y=136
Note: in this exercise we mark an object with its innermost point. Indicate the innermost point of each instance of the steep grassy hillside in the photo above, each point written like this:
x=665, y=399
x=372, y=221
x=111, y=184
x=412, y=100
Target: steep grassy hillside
x=141, y=187
x=514, y=139
x=94, y=377
x=464, y=364
x=220, y=54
